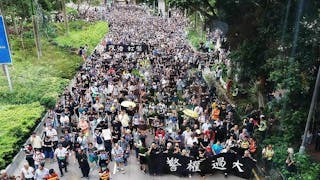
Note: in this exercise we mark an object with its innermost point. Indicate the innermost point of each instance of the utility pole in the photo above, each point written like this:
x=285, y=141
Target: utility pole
x=65, y=17
x=36, y=31
x=311, y=111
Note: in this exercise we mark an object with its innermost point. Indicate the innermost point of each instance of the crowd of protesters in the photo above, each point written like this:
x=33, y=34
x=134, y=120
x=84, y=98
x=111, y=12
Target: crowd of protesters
x=92, y=125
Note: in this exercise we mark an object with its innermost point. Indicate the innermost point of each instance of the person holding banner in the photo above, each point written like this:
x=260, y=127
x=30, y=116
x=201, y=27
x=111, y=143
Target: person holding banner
x=153, y=153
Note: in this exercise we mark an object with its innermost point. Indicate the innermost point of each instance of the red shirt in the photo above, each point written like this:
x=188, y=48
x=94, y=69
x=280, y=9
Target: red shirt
x=160, y=132
x=211, y=134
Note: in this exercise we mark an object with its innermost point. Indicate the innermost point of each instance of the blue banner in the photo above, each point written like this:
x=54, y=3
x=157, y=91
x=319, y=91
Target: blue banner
x=5, y=56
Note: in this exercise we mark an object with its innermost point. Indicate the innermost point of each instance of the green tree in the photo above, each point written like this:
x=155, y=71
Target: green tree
x=206, y=7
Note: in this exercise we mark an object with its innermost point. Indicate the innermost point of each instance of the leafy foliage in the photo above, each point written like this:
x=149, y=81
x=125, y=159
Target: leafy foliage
x=90, y=33
x=267, y=58
x=33, y=78
x=205, y=7
x=16, y=122
x=195, y=38
x=306, y=168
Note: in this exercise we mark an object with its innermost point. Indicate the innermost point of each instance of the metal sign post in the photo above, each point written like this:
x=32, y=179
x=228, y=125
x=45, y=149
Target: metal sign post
x=5, y=55
x=6, y=71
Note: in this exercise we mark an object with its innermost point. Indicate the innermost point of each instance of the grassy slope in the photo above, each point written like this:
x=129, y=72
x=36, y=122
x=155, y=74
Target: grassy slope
x=195, y=38
x=34, y=79
x=88, y=35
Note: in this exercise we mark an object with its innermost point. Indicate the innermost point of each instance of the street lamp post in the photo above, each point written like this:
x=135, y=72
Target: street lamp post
x=311, y=111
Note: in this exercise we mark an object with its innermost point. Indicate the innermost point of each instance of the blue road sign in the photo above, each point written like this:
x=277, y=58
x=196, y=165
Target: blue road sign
x=5, y=56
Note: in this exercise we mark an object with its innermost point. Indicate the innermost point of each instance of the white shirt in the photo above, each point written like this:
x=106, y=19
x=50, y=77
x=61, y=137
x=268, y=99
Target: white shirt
x=136, y=120
x=190, y=141
x=61, y=152
x=198, y=109
x=38, y=158
x=205, y=126
x=132, y=88
x=64, y=119
x=110, y=88
x=187, y=134
x=106, y=134
x=124, y=119
x=28, y=173
x=41, y=174
x=202, y=118
x=36, y=142
x=52, y=134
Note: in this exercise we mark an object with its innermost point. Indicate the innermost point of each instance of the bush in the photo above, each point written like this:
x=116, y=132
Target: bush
x=306, y=168
x=16, y=124
x=90, y=33
x=49, y=100
x=195, y=38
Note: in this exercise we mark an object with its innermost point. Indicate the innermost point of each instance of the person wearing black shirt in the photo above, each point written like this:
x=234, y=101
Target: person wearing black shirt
x=142, y=157
x=116, y=124
x=204, y=142
x=130, y=111
x=91, y=114
x=177, y=149
x=153, y=157
x=183, y=126
x=116, y=134
x=194, y=150
x=47, y=147
x=169, y=149
x=102, y=125
x=59, y=109
x=250, y=127
x=65, y=144
x=83, y=163
x=223, y=132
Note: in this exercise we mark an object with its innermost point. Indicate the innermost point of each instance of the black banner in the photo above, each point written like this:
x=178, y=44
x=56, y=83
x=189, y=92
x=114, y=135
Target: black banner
x=181, y=165
x=127, y=48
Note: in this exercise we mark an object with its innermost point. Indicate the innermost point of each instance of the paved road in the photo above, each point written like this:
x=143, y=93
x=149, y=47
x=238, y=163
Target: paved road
x=132, y=172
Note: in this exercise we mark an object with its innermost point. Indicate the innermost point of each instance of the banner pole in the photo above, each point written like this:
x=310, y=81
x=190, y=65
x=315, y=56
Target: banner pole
x=6, y=71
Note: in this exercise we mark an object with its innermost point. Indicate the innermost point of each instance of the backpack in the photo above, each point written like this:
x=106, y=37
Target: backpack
x=99, y=140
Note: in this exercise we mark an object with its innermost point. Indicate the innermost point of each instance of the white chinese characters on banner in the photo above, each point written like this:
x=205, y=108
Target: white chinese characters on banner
x=131, y=48
x=219, y=164
x=237, y=165
x=194, y=166
x=111, y=47
x=120, y=48
x=139, y=48
x=173, y=163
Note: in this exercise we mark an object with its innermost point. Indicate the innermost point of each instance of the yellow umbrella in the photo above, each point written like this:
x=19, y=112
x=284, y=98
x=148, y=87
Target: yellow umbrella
x=128, y=104
x=190, y=113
